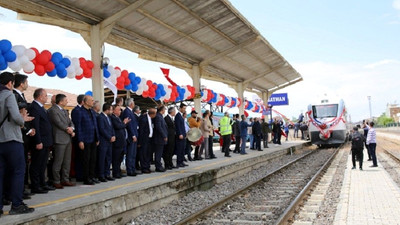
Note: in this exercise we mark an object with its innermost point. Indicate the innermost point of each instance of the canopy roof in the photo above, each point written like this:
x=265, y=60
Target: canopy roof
x=182, y=33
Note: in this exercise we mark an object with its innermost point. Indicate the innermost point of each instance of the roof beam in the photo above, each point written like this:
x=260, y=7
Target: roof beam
x=55, y=22
x=229, y=50
x=180, y=33
x=117, y=16
x=264, y=74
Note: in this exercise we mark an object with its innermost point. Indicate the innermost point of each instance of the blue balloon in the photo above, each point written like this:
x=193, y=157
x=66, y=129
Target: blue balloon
x=226, y=100
x=5, y=45
x=131, y=76
x=128, y=87
x=234, y=102
x=2, y=60
x=134, y=87
x=60, y=68
x=66, y=62
x=3, y=66
x=106, y=73
x=63, y=74
x=10, y=56
x=52, y=73
x=138, y=80
x=90, y=93
x=56, y=58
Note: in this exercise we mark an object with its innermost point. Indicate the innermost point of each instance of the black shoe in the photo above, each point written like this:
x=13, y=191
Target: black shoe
x=361, y=168
x=95, y=180
x=146, y=171
x=190, y=158
x=110, y=178
x=182, y=165
x=160, y=170
x=374, y=166
x=88, y=182
x=369, y=160
x=244, y=153
x=260, y=150
x=25, y=196
x=102, y=179
x=168, y=167
x=213, y=157
x=26, y=192
x=48, y=188
x=132, y=174
x=117, y=176
x=353, y=167
x=184, y=159
x=228, y=156
x=175, y=167
x=39, y=191
x=21, y=209
x=1, y=212
x=200, y=158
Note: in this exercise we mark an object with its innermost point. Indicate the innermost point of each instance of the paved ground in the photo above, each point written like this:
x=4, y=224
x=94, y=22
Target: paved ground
x=368, y=197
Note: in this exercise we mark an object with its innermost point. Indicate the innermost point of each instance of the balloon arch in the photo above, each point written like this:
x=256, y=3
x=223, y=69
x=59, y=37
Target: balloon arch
x=18, y=57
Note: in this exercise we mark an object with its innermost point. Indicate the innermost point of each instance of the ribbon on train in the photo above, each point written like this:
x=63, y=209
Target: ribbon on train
x=330, y=124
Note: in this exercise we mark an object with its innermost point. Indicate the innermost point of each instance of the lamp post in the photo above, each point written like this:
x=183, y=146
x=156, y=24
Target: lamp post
x=370, y=111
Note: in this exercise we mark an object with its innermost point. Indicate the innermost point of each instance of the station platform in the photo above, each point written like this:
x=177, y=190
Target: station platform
x=369, y=196
x=119, y=201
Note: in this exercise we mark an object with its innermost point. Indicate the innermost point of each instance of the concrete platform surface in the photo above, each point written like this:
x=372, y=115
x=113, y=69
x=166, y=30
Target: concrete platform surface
x=84, y=204
x=368, y=197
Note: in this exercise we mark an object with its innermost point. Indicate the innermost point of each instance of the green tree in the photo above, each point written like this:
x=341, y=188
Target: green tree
x=383, y=120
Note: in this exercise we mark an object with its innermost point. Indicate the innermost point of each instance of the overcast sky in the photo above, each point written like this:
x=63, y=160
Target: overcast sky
x=345, y=49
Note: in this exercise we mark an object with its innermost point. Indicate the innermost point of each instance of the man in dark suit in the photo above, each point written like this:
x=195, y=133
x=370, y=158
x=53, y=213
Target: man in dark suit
x=21, y=85
x=145, y=133
x=257, y=133
x=169, y=148
x=63, y=131
x=43, y=140
x=236, y=132
x=120, y=140
x=180, y=135
x=76, y=156
x=88, y=138
x=107, y=137
x=160, y=137
x=136, y=112
x=132, y=128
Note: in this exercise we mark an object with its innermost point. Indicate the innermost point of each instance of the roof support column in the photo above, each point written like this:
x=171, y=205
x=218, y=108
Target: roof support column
x=240, y=87
x=196, y=75
x=97, y=77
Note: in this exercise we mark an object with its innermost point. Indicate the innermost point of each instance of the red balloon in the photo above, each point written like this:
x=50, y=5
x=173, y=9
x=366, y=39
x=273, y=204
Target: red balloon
x=79, y=77
x=49, y=66
x=89, y=64
x=124, y=73
x=127, y=82
x=149, y=83
x=36, y=51
x=145, y=94
x=42, y=59
x=47, y=54
x=39, y=70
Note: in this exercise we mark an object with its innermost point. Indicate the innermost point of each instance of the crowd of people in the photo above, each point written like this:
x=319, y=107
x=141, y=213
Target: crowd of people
x=40, y=149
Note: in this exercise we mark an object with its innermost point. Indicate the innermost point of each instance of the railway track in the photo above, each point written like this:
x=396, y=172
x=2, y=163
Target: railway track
x=272, y=199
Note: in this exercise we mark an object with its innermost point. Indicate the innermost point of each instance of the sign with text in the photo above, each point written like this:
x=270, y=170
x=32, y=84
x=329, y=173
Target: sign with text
x=278, y=99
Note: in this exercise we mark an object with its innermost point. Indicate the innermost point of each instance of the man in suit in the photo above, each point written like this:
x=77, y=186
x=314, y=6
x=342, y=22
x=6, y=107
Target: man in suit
x=236, y=132
x=107, y=137
x=169, y=148
x=43, y=140
x=146, y=133
x=257, y=133
x=120, y=140
x=63, y=131
x=180, y=135
x=88, y=139
x=20, y=85
x=76, y=159
x=136, y=112
x=160, y=137
x=132, y=128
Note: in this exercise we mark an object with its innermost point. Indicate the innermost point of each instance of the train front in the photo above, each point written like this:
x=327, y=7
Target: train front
x=327, y=123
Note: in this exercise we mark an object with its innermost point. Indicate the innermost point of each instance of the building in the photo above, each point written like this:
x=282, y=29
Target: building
x=393, y=111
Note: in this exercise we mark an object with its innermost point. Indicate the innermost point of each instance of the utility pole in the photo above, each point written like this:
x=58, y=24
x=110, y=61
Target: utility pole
x=370, y=111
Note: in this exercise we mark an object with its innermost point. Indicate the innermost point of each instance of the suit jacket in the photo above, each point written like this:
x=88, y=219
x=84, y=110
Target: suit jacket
x=160, y=130
x=10, y=130
x=86, y=126
x=180, y=125
x=170, y=127
x=106, y=130
x=60, y=121
x=256, y=129
x=75, y=114
x=28, y=125
x=144, y=130
x=120, y=131
x=132, y=127
x=243, y=128
x=42, y=125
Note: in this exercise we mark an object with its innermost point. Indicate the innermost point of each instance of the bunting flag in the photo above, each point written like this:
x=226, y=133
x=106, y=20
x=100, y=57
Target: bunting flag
x=166, y=75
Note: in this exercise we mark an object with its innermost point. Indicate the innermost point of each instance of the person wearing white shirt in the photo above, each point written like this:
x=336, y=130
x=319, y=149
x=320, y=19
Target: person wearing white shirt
x=371, y=142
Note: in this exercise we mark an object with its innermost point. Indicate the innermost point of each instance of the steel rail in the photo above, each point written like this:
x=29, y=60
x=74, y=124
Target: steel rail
x=290, y=210
x=194, y=216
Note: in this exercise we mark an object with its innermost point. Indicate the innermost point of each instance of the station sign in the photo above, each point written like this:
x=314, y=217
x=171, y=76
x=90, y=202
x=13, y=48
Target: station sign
x=278, y=99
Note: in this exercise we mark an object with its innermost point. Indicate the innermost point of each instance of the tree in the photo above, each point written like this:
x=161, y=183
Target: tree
x=383, y=120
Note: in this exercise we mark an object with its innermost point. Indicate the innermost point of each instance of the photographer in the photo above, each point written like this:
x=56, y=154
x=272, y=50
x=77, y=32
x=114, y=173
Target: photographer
x=11, y=145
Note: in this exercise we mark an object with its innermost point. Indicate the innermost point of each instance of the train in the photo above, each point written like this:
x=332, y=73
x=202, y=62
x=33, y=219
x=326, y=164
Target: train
x=327, y=123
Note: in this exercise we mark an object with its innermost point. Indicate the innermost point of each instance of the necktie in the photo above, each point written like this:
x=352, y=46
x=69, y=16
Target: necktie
x=108, y=119
x=23, y=96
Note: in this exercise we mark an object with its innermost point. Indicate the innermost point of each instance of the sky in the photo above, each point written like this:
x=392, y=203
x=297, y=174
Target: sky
x=343, y=49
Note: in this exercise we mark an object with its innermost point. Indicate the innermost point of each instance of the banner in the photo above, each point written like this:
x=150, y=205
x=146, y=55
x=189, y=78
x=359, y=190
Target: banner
x=278, y=99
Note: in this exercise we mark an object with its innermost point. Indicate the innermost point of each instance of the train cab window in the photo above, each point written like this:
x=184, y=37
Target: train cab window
x=323, y=111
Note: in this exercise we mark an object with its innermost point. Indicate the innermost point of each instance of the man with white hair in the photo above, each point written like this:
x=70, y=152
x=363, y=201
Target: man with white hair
x=132, y=128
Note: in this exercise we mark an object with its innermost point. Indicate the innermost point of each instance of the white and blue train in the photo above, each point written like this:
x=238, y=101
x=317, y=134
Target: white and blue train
x=327, y=123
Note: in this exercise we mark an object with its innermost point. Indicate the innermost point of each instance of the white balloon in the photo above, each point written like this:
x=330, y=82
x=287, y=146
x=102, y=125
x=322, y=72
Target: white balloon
x=23, y=59
x=71, y=75
x=139, y=92
x=30, y=54
x=18, y=49
x=28, y=67
x=117, y=72
x=79, y=71
x=15, y=66
x=75, y=61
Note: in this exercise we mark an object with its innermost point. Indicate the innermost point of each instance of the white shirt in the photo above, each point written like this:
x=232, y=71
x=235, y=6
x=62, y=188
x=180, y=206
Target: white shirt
x=20, y=93
x=150, y=126
x=60, y=107
x=40, y=104
x=172, y=118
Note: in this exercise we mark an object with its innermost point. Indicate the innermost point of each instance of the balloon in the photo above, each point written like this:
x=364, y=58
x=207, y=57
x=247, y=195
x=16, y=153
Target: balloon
x=10, y=56
x=29, y=67
x=52, y=73
x=39, y=70
x=5, y=45
x=18, y=49
x=42, y=59
x=90, y=93
x=49, y=66
x=15, y=66
x=66, y=62
x=30, y=53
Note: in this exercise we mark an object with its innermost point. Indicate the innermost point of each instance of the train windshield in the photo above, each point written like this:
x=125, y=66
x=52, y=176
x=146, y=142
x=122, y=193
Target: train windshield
x=322, y=111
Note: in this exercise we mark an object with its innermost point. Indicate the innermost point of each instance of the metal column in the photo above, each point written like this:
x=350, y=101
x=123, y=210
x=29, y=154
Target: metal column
x=97, y=77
